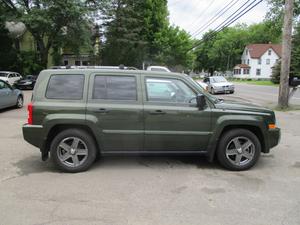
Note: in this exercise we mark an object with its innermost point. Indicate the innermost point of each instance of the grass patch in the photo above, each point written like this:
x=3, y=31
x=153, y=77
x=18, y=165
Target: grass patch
x=256, y=82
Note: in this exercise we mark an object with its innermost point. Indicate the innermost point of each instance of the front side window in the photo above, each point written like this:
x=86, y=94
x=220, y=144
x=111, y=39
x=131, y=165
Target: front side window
x=168, y=90
x=268, y=61
x=65, y=87
x=115, y=88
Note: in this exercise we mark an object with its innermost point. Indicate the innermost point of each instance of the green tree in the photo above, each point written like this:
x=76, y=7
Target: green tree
x=8, y=55
x=50, y=22
x=275, y=76
x=173, y=46
x=295, y=61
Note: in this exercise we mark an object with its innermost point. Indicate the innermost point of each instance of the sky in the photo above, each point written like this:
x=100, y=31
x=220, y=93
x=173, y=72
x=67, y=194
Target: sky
x=195, y=15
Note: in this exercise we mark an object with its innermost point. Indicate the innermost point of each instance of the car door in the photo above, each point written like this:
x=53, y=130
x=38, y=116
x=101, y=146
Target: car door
x=172, y=124
x=7, y=97
x=115, y=103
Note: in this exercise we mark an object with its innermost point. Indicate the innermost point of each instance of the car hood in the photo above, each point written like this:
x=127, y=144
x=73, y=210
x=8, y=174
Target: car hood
x=222, y=84
x=242, y=106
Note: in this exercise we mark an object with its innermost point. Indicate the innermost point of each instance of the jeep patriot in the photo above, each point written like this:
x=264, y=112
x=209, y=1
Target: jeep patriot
x=77, y=115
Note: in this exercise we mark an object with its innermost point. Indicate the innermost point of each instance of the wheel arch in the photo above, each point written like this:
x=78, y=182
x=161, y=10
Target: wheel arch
x=255, y=129
x=53, y=131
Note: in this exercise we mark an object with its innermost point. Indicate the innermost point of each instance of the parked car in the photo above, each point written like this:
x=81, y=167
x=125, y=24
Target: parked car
x=81, y=113
x=27, y=82
x=10, y=77
x=158, y=69
x=218, y=84
x=10, y=96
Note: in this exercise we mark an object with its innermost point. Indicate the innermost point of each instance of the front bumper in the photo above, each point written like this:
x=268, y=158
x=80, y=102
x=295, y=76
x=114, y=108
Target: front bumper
x=274, y=136
x=33, y=134
x=224, y=89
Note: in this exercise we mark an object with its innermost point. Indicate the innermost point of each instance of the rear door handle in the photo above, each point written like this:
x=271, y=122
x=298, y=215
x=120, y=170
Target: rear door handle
x=102, y=110
x=157, y=112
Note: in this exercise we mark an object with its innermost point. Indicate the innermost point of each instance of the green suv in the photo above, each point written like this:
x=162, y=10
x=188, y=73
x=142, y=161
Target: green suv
x=77, y=115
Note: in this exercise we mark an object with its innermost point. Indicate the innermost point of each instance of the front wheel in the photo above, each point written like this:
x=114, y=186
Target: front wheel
x=20, y=102
x=73, y=150
x=239, y=149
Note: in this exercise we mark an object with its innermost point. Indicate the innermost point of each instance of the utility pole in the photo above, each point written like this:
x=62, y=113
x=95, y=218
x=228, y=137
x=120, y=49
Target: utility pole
x=283, y=98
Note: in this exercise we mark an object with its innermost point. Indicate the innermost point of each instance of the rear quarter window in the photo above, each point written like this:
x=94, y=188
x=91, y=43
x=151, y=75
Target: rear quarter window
x=69, y=87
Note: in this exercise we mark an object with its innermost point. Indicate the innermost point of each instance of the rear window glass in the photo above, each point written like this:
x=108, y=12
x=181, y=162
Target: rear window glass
x=115, y=88
x=65, y=87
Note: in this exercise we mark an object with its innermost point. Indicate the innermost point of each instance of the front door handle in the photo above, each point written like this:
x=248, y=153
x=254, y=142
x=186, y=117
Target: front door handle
x=157, y=112
x=102, y=110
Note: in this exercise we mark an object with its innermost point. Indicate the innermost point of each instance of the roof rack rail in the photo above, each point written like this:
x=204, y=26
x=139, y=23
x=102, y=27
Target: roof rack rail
x=120, y=67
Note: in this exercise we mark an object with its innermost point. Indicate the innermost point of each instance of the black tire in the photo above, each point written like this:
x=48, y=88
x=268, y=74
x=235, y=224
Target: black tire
x=85, y=139
x=231, y=92
x=20, y=102
x=227, y=139
x=212, y=91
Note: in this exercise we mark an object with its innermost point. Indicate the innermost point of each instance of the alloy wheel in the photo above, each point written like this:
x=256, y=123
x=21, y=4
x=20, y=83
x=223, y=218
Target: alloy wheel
x=240, y=151
x=72, y=151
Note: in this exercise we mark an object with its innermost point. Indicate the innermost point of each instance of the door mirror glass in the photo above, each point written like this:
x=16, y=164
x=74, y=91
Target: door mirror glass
x=201, y=102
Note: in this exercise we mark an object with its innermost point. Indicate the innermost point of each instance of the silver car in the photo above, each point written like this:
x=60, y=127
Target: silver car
x=218, y=84
x=10, y=96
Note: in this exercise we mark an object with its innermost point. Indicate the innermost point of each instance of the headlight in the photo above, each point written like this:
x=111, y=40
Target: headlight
x=28, y=82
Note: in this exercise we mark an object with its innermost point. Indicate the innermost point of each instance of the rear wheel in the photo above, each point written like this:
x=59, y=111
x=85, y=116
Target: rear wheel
x=20, y=102
x=73, y=150
x=212, y=91
x=239, y=149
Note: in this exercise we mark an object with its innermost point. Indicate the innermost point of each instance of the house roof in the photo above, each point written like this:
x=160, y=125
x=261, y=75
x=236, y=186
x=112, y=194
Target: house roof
x=242, y=66
x=257, y=50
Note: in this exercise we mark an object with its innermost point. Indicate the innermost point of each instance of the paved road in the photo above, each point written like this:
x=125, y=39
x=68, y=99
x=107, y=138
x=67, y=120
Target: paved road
x=147, y=191
x=264, y=95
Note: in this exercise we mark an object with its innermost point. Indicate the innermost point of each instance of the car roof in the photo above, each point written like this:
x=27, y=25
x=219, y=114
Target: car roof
x=110, y=71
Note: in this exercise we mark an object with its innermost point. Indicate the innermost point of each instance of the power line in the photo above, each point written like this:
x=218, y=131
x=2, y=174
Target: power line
x=228, y=23
x=233, y=14
x=201, y=14
x=216, y=16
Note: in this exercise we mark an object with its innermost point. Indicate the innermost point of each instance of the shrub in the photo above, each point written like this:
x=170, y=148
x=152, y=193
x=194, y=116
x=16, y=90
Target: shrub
x=275, y=77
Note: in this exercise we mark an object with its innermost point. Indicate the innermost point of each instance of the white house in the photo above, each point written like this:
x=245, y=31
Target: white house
x=257, y=61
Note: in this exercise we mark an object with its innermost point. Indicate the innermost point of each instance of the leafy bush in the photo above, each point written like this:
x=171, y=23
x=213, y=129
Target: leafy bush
x=275, y=77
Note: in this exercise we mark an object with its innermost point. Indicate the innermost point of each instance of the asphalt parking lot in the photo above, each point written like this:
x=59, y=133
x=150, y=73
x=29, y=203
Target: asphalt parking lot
x=142, y=191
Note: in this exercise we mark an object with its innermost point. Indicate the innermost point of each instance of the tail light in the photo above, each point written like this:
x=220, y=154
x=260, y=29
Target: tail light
x=29, y=108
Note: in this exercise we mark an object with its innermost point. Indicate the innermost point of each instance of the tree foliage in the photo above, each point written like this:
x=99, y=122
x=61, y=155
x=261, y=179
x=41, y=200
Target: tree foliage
x=138, y=31
x=223, y=50
x=51, y=22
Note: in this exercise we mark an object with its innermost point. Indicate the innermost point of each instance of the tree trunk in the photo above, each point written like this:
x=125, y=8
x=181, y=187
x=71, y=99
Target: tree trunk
x=283, y=98
x=43, y=53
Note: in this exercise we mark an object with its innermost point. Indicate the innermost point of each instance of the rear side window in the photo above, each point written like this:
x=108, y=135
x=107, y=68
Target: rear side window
x=65, y=87
x=115, y=88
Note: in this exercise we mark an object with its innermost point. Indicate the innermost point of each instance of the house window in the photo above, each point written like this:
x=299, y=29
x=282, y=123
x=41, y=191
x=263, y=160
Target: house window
x=268, y=61
x=77, y=63
x=66, y=62
x=259, y=61
x=248, y=61
x=246, y=71
x=85, y=63
x=246, y=51
x=258, y=72
x=237, y=71
x=269, y=52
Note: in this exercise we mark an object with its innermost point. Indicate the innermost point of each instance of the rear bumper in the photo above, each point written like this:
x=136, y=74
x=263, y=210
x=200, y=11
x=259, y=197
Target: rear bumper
x=33, y=134
x=274, y=136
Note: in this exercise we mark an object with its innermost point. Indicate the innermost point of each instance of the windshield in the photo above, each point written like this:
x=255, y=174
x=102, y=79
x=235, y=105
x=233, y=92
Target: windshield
x=218, y=79
x=211, y=97
x=3, y=74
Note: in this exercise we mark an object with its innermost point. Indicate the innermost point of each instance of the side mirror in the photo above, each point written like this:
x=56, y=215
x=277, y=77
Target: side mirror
x=201, y=102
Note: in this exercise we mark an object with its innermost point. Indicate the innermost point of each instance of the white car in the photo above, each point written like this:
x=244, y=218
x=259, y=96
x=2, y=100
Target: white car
x=158, y=69
x=10, y=77
x=218, y=84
